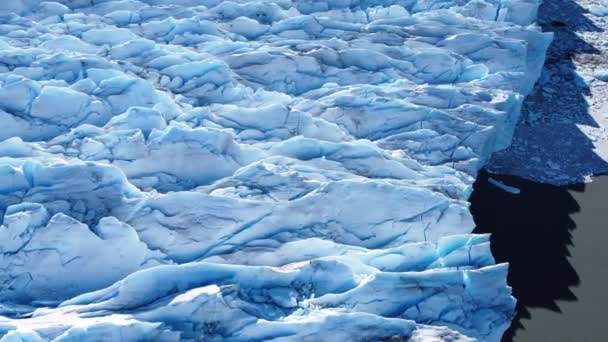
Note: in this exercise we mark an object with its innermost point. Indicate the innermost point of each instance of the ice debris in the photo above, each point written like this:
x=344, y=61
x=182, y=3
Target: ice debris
x=600, y=10
x=601, y=75
x=504, y=187
x=254, y=170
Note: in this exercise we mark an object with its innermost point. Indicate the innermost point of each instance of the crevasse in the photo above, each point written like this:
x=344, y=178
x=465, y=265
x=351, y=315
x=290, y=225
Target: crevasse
x=273, y=170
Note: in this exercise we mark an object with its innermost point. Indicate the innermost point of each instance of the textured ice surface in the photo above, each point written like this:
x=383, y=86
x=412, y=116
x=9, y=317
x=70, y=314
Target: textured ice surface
x=254, y=170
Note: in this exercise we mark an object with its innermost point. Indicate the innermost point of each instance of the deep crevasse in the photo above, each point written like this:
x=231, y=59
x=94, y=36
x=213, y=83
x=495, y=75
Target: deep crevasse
x=254, y=170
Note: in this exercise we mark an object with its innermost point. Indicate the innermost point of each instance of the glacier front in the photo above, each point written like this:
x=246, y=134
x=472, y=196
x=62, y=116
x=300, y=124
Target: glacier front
x=277, y=170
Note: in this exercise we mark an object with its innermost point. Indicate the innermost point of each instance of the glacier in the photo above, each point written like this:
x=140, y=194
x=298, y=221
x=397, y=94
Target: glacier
x=278, y=170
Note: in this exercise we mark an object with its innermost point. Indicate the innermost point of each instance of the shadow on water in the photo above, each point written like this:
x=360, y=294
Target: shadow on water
x=532, y=232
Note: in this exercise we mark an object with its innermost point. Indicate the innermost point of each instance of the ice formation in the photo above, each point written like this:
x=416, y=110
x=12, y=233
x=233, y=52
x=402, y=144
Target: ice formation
x=277, y=170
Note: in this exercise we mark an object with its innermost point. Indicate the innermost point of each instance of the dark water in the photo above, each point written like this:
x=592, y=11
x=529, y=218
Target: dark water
x=556, y=241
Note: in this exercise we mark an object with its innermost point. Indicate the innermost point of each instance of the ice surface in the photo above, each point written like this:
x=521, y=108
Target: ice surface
x=601, y=75
x=600, y=10
x=255, y=170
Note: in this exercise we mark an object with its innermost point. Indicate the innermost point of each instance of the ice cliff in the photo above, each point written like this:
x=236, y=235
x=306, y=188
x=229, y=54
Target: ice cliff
x=275, y=170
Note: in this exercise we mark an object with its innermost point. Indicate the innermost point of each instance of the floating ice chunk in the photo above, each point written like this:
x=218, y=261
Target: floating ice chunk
x=503, y=186
x=601, y=75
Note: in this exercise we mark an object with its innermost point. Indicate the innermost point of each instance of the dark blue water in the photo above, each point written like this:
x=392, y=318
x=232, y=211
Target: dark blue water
x=556, y=241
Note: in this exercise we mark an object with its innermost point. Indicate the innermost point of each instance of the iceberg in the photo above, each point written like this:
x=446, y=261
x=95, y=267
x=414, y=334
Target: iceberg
x=245, y=170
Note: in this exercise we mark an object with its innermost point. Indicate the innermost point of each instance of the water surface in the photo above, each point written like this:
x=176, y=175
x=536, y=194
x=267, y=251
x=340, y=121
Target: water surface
x=556, y=240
